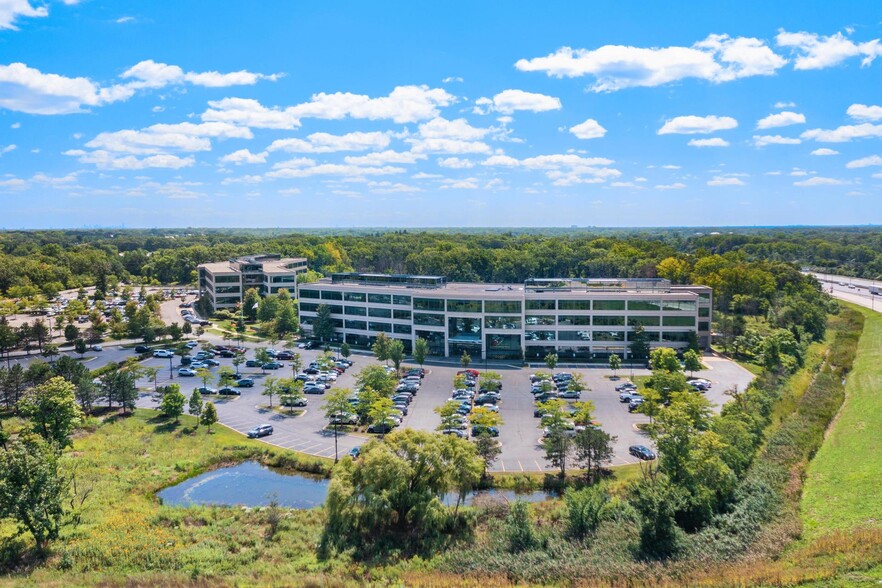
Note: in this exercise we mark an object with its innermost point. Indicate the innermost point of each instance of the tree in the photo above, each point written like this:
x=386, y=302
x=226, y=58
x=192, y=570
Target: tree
x=80, y=347
x=519, y=530
x=53, y=410
x=491, y=381
x=420, y=350
x=390, y=495
x=366, y=398
x=40, y=333
x=261, y=355
x=396, y=354
x=32, y=488
x=209, y=415
x=172, y=404
x=336, y=405
x=465, y=359
x=270, y=389
x=187, y=328
x=50, y=350
x=381, y=411
x=290, y=392
x=615, y=363
x=449, y=415
x=8, y=339
x=152, y=373
x=323, y=325
x=380, y=348
x=691, y=361
x=296, y=363
x=225, y=376
x=489, y=450
x=250, y=304
x=205, y=375
x=86, y=393
x=238, y=360
x=376, y=378
x=345, y=351
x=175, y=332
x=551, y=361
x=558, y=445
x=657, y=500
x=593, y=448
x=583, y=413
x=13, y=384
x=194, y=406
x=119, y=386
x=664, y=359
x=483, y=418
x=585, y=510
x=71, y=333
x=639, y=346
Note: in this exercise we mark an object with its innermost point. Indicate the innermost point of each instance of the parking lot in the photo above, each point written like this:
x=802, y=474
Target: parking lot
x=520, y=433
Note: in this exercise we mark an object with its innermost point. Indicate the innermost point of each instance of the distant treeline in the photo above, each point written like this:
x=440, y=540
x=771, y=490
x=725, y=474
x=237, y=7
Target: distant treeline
x=49, y=261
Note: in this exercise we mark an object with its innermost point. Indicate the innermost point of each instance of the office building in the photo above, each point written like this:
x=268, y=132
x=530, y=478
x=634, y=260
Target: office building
x=224, y=283
x=582, y=320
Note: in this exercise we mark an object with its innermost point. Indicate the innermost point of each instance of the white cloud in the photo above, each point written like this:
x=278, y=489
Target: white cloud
x=456, y=163
x=150, y=74
x=29, y=90
x=125, y=19
x=718, y=58
x=244, y=156
x=451, y=79
x=563, y=169
x=844, y=133
x=763, y=140
x=824, y=151
x=327, y=143
x=425, y=176
x=405, y=104
x=675, y=186
x=7, y=149
x=13, y=183
x=712, y=142
x=246, y=179
x=590, y=129
x=289, y=191
x=864, y=112
x=815, y=51
x=381, y=158
x=456, y=137
x=819, y=181
x=509, y=101
x=285, y=170
x=15, y=125
x=670, y=166
x=108, y=160
x=11, y=10
x=464, y=184
x=877, y=176
x=725, y=181
x=785, y=104
x=872, y=160
x=160, y=137
x=392, y=188
x=691, y=125
x=781, y=119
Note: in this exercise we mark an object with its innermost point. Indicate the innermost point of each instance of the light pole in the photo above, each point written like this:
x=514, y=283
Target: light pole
x=171, y=369
x=336, y=457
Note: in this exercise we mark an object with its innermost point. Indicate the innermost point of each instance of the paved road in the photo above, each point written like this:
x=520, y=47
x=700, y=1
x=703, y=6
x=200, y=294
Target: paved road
x=838, y=287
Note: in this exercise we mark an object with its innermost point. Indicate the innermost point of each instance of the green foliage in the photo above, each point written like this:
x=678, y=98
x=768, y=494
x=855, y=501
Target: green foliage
x=322, y=325
x=376, y=378
x=396, y=353
x=465, y=359
x=388, y=500
x=380, y=348
x=656, y=501
x=209, y=415
x=585, y=510
x=195, y=405
x=250, y=304
x=32, y=488
x=551, y=361
x=420, y=350
x=615, y=363
x=664, y=359
x=172, y=404
x=520, y=532
x=53, y=410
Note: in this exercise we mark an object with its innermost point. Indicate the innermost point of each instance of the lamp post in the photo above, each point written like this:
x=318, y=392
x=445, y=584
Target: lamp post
x=336, y=457
x=171, y=369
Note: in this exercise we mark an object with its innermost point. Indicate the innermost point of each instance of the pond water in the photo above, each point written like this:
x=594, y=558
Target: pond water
x=252, y=484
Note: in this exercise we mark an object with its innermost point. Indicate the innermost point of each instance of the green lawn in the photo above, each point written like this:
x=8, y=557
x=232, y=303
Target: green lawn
x=843, y=488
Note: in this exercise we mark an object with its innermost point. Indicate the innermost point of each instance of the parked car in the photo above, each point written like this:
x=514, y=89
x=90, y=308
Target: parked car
x=165, y=353
x=305, y=345
x=187, y=372
x=193, y=364
x=571, y=394
x=343, y=418
x=285, y=355
x=402, y=406
x=260, y=431
x=206, y=390
x=355, y=452
x=486, y=399
x=272, y=365
x=313, y=389
x=456, y=432
x=490, y=407
x=252, y=363
x=245, y=383
x=380, y=428
x=634, y=404
x=478, y=430
x=229, y=391
x=297, y=402
x=204, y=354
x=226, y=353
x=191, y=344
x=142, y=349
x=627, y=396
x=405, y=398
x=642, y=452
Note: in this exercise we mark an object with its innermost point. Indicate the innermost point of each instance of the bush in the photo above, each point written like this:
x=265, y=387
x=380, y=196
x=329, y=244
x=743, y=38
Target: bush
x=519, y=530
x=585, y=510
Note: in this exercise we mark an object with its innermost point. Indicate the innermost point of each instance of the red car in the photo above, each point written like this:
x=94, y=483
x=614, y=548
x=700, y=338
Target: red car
x=470, y=372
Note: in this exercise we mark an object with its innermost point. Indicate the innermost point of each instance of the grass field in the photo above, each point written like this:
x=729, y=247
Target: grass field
x=843, y=489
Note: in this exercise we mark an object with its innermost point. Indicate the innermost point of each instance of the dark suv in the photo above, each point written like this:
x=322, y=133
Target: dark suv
x=642, y=452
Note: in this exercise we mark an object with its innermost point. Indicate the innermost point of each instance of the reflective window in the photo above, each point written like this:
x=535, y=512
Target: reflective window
x=402, y=329
x=575, y=320
x=314, y=294
x=398, y=299
x=380, y=327
x=609, y=335
x=360, y=325
x=428, y=304
x=502, y=322
x=356, y=310
x=503, y=346
x=509, y=306
x=678, y=321
x=644, y=321
x=609, y=305
x=542, y=319
x=380, y=312
x=463, y=330
x=331, y=295
x=463, y=306
x=574, y=304
x=401, y=314
x=609, y=321
x=540, y=305
x=644, y=305
x=675, y=337
x=539, y=335
x=428, y=320
x=354, y=296
x=687, y=305
x=574, y=335
x=380, y=298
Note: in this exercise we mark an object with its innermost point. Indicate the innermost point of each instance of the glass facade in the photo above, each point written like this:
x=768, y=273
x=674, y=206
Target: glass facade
x=313, y=294
x=609, y=305
x=380, y=298
x=503, y=346
x=682, y=305
x=464, y=329
x=644, y=321
x=503, y=306
x=356, y=310
x=678, y=321
x=464, y=306
x=380, y=312
x=609, y=335
x=574, y=335
x=542, y=319
x=379, y=327
x=609, y=321
x=575, y=320
x=644, y=305
x=354, y=296
x=428, y=320
x=402, y=329
x=436, y=304
x=330, y=295
x=435, y=339
x=574, y=305
x=541, y=305
x=401, y=300
x=539, y=335
x=401, y=314
x=359, y=325
x=502, y=322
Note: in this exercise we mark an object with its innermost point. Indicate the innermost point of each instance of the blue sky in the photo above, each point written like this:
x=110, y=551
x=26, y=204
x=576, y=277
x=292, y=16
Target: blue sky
x=340, y=114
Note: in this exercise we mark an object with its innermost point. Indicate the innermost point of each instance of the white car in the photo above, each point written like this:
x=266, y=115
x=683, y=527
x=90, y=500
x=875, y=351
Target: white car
x=96, y=348
x=191, y=344
x=163, y=353
x=329, y=375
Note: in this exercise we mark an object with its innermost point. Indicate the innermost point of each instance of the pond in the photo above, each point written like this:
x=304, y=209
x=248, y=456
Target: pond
x=252, y=484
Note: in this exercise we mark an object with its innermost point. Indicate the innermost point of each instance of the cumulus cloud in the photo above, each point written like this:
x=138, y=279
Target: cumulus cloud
x=125, y=19
x=781, y=119
x=455, y=137
x=864, y=112
x=725, y=181
x=819, y=181
x=150, y=74
x=162, y=137
x=691, y=125
x=328, y=143
x=381, y=158
x=509, y=101
x=718, y=58
x=844, y=133
x=303, y=168
x=815, y=51
x=244, y=156
x=107, y=160
x=872, y=160
x=456, y=163
x=451, y=79
x=785, y=104
x=824, y=151
x=563, y=169
x=11, y=10
x=675, y=186
x=712, y=142
x=590, y=129
x=405, y=104
x=7, y=149
x=763, y=140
